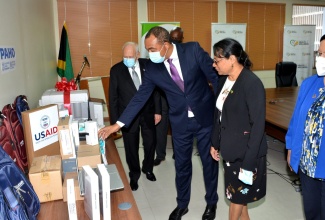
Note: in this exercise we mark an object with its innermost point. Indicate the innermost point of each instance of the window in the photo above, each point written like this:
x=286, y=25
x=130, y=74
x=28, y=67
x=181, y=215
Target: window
x=98, y=29
x=195, y=17
x=264, y=36
x=309, y=15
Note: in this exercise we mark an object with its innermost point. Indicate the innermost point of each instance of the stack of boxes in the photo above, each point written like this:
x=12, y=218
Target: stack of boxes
x=51, y=165
x=55, y=152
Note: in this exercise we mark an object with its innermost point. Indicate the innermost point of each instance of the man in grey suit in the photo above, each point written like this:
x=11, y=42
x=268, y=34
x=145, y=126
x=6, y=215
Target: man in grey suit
x=125, y=79
x=182, y=71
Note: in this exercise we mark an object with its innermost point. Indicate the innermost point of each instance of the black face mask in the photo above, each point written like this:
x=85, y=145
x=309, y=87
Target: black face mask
x=175, y=41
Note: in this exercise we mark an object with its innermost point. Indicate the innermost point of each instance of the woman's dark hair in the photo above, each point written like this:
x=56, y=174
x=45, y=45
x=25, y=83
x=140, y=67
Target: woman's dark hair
x=229, y=46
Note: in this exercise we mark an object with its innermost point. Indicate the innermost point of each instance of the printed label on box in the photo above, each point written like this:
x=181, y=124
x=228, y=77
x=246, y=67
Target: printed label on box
x=65, y=142
x=44, y=128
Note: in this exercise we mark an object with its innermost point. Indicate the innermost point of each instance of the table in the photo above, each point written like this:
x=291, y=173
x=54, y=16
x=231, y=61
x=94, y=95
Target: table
x=59, y=210
x=280, y=103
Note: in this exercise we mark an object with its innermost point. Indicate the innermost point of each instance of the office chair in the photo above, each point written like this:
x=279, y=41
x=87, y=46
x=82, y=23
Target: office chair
x=285, y=74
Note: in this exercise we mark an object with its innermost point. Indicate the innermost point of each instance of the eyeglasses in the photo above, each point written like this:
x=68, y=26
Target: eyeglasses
x=217, y=61
x=319, y=54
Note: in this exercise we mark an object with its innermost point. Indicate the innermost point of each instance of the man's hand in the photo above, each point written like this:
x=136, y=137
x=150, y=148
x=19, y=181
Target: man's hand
x=288, y=159
x=214, y=153
x=108, y=130
x=157, y=119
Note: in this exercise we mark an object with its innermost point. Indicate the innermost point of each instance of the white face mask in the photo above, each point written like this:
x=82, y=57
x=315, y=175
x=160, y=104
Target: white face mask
x=320, y=66
x=155, y=57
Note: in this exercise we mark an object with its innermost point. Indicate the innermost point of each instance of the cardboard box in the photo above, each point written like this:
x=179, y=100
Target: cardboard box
x=91, y=200
x=104, y=191
x=68, y=166
x=88, y=155
x=51, y=96
x=41, y=132
x=91, y=128
x=74, y=176
x=72, y=208
x=45, y=176
x=67, y=147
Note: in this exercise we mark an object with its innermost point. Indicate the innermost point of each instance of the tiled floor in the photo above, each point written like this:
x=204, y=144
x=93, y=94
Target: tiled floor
x=156, y=200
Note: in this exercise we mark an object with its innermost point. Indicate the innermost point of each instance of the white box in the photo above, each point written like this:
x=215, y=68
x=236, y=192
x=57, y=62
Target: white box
x=91, y=128
x=51, y=96
x=67, y=146
x=96, y=112
x=91, y=201
x=75, y=132
x=105, y=193
x=71, y=200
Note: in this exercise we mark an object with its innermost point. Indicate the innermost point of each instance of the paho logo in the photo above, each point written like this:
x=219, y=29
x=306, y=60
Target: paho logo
x=45, y=124
x=219, y=32
x=7, y=53
x=237, y=32
x=291, y=32
x=307, y=32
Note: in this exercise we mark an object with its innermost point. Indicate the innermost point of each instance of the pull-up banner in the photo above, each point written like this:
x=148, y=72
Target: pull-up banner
x=222, y=31
x=298, y=47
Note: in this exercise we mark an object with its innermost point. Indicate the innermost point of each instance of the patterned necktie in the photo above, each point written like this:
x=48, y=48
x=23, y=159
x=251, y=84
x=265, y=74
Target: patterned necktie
x=175, y=75
x=135, y=78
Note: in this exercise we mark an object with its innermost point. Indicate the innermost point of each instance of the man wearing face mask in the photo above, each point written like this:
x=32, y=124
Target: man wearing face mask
x=176, y=36
x=182, y=71
x=125, y=79
x=305, y=141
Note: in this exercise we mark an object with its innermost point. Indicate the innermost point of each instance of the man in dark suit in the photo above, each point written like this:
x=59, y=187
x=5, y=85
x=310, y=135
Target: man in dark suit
x=175, y=37
x=191, y=108
x=123, y=86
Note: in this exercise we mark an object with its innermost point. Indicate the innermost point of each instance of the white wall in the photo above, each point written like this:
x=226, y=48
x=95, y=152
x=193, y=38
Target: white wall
x=30, y=27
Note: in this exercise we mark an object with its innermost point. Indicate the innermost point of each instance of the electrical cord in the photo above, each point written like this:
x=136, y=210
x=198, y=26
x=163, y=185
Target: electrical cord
x=294, y=183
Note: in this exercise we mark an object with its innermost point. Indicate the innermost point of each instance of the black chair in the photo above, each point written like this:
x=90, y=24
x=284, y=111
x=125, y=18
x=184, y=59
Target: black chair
x=285, y=74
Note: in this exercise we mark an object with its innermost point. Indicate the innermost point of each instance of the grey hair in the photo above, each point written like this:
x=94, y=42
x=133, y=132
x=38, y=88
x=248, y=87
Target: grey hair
x=135, y=45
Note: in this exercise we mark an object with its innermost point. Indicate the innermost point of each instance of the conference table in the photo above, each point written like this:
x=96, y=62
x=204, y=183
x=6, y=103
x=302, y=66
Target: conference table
x=280, y=103
x=59, y=210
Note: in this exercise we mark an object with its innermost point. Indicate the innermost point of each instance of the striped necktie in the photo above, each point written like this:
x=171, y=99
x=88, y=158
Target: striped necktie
x=135, y=78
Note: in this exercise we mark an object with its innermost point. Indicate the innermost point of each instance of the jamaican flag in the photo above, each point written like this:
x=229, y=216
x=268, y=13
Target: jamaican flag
x=64, y=68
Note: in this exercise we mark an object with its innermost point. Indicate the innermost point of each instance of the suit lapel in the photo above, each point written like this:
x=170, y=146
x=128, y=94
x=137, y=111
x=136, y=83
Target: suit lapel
x=127, y=77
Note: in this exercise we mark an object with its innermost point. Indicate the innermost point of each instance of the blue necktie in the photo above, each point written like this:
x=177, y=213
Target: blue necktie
x=175, y=75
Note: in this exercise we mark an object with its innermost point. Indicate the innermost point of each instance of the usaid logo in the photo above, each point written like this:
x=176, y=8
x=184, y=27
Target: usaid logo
x=45, y=122
x=48, y=131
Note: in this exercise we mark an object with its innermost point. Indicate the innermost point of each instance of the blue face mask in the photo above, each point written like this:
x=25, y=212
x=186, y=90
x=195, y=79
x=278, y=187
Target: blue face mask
x=129, y=62
x=155, y=56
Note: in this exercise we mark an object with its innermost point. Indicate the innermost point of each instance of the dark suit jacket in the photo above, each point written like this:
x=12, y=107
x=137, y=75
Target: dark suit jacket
x=122, y=90
x=197, y=69
x=241, y=130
